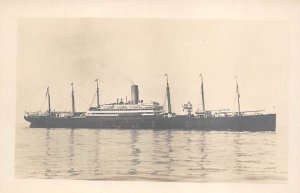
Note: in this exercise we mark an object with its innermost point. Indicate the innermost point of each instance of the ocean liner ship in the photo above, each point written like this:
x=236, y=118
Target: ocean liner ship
x=138, y=114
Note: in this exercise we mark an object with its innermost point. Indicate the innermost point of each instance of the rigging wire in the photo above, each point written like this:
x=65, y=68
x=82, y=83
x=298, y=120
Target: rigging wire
x=43, y=104
x=198, y=101
x=61, y=104
x=235, y=108
x=164, y=103
x=171, y=102
x=81, y=98
x=93, y=100
x=234, y=104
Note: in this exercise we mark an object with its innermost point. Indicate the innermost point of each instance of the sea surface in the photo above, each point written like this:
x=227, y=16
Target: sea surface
x=151, y=155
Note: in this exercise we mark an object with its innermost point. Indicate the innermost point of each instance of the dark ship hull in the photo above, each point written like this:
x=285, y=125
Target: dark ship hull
x=139, y=115
x=265, y=122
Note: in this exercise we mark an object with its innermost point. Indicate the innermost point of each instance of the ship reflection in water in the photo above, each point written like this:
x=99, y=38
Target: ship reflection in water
x=153, y=155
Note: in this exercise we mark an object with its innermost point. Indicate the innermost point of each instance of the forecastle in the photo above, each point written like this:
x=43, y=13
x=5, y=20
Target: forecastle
x=135, y=113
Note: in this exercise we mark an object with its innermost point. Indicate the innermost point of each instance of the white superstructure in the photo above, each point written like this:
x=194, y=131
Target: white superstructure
x=126, y=109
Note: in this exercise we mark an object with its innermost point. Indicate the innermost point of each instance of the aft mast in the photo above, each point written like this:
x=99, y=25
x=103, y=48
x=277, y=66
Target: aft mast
x=73, y=99
x=98, y=103
x=238, y=95
x=49, y=102
x=168, y=97
x=202, y=93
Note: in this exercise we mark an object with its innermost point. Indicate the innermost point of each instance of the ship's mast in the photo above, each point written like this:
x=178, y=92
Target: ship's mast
x=73, y=99
x=98, y=104
x=49, y=102
x=168, y=96
x=202, y=93
x=238, y=94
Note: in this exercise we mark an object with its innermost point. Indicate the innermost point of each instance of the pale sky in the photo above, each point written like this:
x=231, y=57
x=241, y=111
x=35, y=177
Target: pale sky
x=119, y=52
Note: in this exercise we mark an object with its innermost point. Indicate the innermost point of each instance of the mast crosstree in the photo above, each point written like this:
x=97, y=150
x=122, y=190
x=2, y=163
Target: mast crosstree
x=140, y=115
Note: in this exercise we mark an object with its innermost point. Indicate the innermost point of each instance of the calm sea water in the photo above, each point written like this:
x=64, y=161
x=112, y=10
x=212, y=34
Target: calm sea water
x=154, y=155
